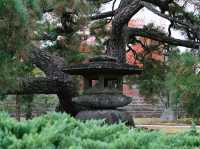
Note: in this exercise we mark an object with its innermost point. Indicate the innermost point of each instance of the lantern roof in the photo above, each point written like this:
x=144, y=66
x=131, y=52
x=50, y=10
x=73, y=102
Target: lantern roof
x=102, y=65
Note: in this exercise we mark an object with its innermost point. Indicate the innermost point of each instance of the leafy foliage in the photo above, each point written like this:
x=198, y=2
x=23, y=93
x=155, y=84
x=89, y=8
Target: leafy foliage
x=175, y=79
x=15, y=36
x=152, y=80
x=10, y=68
x=58, y=130
x=183, y=81
x=21, y=23
x=37, y=104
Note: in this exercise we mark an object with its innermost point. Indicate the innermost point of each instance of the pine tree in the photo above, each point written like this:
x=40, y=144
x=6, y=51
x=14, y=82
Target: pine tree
x=22, y=27
x=183, y=81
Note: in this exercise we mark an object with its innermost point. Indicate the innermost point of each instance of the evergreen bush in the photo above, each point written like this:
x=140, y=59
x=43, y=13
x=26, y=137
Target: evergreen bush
x=60, y=131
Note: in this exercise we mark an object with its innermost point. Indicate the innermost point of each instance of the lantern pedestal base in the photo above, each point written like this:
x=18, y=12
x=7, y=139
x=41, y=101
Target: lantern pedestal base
x=110, y=116
x=102, y=101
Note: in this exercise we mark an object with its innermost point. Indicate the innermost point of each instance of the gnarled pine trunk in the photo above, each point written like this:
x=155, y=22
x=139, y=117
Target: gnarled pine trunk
x=18, y=108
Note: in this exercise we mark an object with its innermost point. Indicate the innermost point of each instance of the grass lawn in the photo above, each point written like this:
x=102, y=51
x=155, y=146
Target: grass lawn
x=170, y=127
x=158, y=121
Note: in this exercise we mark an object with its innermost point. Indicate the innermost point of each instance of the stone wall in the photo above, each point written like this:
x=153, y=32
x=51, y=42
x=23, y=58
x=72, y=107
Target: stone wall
x=139, y=108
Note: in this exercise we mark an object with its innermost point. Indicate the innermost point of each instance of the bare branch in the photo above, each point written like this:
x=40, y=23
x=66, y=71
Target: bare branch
x=42, y=85
x=48, y=63
x=124, y=15
x=102, y=15
x=155, y=35
x=162, y=4
x=149, y=6
x=103, y=2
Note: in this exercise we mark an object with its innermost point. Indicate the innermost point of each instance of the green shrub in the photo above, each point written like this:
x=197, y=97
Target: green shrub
x=60, y=131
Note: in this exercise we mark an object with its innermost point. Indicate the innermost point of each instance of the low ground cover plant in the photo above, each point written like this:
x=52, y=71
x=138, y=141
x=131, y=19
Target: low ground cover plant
x=60, y=131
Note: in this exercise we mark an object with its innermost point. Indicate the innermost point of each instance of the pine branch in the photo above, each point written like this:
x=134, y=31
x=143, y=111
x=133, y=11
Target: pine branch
x=155, y=35
x=103, y=15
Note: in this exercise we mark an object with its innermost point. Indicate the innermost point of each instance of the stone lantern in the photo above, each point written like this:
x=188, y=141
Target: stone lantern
x=103, y=84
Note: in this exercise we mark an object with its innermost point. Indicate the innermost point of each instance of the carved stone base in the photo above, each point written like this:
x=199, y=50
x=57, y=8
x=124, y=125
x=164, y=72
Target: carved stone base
x=110, y=116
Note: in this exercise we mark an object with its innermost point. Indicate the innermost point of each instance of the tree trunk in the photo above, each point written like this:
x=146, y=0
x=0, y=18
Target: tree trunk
x=66, y=105
x=18, y=108
x=55, y=81
x=117, y=45
x=29, y=107
x=64, y=86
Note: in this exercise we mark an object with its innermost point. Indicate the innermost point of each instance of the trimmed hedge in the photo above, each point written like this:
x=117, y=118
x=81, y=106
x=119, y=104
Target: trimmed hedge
x=60, y=131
